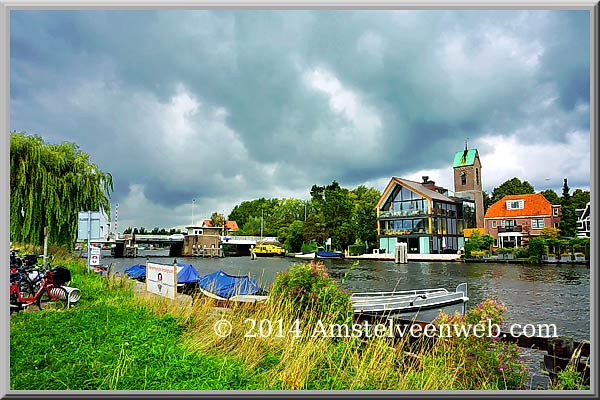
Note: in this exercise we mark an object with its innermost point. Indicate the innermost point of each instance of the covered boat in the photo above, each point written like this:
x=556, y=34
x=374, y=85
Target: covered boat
x=220, y=285
x=137, y=271
x=420, y=305
x=187, y=276
x=330, y=254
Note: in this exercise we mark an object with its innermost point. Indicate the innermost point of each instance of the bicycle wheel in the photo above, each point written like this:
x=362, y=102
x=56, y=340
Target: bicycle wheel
x=55, y=300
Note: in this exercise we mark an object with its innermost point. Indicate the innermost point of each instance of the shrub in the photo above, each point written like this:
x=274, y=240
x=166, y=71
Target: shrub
x=537, y=248
x=501, y=361
x=357, y=249
x=312, y=292
x=308, y=247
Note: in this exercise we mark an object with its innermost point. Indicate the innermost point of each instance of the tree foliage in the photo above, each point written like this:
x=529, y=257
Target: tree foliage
x=551, y=196
x=511, y=187
x=478, y=242
x=346, y=216
x=568, y=220
x=49, y=185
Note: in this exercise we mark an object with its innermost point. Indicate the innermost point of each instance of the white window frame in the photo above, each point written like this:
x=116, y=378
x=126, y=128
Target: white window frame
x=555, y=211
x=494, y=224
x=510, y=204
x=538, y=223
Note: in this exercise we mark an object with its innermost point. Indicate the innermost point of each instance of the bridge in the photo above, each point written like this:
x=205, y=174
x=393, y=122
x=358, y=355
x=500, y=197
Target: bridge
x=248, y=240
x=125, y=245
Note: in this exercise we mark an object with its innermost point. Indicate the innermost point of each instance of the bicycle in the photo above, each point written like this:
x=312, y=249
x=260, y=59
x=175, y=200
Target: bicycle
x=44, y=290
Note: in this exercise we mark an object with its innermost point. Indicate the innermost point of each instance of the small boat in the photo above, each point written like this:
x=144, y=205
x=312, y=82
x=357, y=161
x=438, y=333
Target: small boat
x=308, y=255
x=224, y=287
x=330, y=254
x=420, y=305
x=268, y=250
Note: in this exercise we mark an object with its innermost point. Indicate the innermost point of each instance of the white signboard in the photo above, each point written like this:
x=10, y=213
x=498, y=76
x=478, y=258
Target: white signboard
x=161, y=279
x=95, y=259
x=88, y=222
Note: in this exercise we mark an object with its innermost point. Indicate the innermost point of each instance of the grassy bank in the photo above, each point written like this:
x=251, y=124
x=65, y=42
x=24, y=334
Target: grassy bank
x=113, y=339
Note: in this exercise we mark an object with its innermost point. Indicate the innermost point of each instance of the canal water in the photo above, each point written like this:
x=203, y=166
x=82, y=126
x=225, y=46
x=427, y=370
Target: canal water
x=534, y=294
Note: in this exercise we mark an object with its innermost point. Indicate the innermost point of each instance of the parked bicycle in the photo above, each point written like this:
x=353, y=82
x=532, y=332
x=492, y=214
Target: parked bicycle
x=40, y=286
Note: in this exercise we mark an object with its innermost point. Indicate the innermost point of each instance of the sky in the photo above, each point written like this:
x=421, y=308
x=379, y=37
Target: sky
x=195, y=111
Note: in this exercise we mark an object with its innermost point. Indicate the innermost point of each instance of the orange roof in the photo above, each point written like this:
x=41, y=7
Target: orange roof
x=533, y=205
x=230, y=225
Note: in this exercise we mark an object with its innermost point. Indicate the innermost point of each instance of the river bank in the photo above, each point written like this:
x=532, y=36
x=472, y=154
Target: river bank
x=533, y=293
x=126, y=341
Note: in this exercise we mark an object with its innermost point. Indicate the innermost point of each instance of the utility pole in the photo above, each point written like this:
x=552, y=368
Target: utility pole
x=262, y=216
x=193, y=203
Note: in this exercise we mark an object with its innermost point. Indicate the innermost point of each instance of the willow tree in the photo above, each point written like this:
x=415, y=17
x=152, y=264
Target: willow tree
x=49, y=185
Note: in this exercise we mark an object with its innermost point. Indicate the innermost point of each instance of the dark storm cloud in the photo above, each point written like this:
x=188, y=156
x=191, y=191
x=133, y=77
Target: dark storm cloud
x=224, y=106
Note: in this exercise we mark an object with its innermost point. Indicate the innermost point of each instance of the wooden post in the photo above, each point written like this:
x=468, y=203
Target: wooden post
x=45, y=244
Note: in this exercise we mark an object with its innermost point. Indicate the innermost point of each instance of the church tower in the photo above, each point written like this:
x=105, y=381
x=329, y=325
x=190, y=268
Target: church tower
x=467, y=180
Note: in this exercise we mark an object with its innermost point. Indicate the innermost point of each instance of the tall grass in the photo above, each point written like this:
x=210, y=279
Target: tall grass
x=114, y=338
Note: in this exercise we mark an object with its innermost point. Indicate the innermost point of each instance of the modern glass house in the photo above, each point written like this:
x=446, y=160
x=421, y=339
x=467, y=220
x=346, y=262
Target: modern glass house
x=430, y=219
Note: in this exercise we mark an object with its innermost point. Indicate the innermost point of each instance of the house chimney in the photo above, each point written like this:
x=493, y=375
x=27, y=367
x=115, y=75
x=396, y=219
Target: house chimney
x=427, y=183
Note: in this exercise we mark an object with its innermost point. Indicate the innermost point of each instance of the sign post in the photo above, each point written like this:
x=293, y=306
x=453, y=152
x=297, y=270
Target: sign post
x=88, y=228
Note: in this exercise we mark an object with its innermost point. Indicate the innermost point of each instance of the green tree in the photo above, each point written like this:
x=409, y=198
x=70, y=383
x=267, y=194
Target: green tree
x=291, y=237
x=487, y=201
x=217, y=219
x=315, y=229
x=568, y=220
x=334, y=203
x=252, y=226
x=478, y=242
x=551, y=196
x=511, y=187
x=365, y=214
x=128, y=230
x=49, y=185
x=580, y=198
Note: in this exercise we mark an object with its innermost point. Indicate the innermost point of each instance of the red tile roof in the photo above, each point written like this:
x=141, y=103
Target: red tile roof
x=534, y=204
x=230, y=225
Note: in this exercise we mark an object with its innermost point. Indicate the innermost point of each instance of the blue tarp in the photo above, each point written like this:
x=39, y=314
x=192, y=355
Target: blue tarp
x=330, y=254
x=225, y=285
x=136, y=271
x=187, y=273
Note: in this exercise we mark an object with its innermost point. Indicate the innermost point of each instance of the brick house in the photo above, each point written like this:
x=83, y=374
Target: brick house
x=515, y=218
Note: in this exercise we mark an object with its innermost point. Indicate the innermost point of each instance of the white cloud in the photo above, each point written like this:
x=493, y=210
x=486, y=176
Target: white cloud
x=534, y=162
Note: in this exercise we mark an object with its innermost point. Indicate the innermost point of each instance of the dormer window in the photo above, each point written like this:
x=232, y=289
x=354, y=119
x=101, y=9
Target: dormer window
x=515, y=204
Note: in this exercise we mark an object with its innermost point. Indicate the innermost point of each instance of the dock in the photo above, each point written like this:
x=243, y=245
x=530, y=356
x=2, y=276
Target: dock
x=410, y=257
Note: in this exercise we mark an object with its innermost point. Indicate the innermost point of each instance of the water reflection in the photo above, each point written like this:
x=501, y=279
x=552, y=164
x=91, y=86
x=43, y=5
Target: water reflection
x=557, y=294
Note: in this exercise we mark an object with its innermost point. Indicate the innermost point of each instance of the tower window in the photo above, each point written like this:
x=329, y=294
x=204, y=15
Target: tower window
x=463, y=178
x=477, y=175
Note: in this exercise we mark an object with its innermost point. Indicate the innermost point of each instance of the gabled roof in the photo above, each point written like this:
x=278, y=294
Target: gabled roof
x=533, y=205
x=230, y=225
x=414, y=187
x=464, y=158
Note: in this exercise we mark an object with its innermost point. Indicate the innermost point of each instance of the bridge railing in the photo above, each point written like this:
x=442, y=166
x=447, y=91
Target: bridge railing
x=249, y=238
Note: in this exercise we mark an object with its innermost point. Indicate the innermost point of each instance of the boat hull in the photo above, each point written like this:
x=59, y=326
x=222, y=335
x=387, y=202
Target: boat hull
x=419, y=305
x=330, y=254
x=308, y=256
